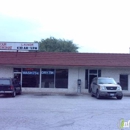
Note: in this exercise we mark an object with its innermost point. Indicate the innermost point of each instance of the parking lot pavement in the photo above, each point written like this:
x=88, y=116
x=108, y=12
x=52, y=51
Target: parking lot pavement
x=62, y=112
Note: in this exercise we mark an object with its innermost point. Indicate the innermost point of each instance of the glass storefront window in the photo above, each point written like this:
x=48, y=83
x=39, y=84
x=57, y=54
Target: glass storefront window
x=61, y=79
x=124, y=81
x=17, y=69
x=30, y=77
x=50, y=78
x=93, y=71
x=86, y=79
x=47, y=80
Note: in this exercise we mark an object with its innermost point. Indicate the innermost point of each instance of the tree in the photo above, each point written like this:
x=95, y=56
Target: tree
x=57, y=45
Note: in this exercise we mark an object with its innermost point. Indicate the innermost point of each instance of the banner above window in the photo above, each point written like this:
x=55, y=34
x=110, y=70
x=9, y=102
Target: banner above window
x=18, y=46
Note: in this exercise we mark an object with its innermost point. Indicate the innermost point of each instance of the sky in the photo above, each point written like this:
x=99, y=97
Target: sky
x=95, y=26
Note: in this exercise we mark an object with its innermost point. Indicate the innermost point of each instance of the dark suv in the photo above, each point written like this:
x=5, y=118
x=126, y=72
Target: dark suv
x=105, y=87
x=10, y=86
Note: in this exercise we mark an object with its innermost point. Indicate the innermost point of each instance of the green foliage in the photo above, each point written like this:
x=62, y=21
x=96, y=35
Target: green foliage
x=57, y=45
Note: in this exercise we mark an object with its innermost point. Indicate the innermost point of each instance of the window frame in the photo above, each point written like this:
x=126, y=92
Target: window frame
x=127, y=85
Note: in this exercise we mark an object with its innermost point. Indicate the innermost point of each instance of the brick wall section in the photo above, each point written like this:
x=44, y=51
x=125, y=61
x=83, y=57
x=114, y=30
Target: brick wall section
x=65, y=59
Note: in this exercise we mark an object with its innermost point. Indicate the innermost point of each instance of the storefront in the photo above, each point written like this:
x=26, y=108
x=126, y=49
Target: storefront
x=60, y=72
x=42, y=77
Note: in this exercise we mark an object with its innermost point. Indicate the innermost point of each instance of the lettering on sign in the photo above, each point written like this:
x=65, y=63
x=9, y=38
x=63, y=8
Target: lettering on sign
x=18, y=46
x=31, y=72
x=27, y=44
x=4, y=47
x=47, y=72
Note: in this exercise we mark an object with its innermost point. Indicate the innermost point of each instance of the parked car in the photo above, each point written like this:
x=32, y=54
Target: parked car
x=105, y=87
x=10, y=86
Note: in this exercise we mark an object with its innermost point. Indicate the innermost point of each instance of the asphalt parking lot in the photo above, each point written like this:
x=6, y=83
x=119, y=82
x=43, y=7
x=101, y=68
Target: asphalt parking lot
x=62, y=112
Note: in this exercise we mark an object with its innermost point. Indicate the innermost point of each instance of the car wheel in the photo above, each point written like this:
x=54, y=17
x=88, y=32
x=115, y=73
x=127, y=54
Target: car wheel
x=119, y=97
x=92, y=94
x=97, y=95
x=20, y=92
x=14, y=94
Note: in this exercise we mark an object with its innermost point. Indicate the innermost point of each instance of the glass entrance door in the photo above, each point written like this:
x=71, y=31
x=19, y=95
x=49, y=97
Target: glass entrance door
x=90, y=74
x=18, y=77
x=17, y=74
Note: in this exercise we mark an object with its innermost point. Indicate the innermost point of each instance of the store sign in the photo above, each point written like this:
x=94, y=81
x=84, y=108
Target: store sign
x=31, y=72
x=47, y=72
x=18, y=46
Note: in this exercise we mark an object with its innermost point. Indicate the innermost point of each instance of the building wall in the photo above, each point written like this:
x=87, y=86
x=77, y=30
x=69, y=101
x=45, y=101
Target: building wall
x=72, y=80
x=6, y=72
x=74, y=75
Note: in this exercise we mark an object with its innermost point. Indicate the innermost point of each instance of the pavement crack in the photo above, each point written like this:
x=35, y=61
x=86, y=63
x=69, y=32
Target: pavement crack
x=66, y=123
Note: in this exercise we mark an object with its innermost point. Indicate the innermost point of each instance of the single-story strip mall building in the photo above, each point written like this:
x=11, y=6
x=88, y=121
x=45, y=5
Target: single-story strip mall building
x=59, y=72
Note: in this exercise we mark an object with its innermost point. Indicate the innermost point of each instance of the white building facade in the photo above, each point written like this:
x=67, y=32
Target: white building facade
x=63, y=79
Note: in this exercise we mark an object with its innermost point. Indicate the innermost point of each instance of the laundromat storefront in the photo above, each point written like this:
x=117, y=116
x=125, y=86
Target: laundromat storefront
x=42, y=77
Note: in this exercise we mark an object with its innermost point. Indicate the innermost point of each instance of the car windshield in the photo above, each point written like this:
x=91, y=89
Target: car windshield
x=106, y=81
x=5, y=81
